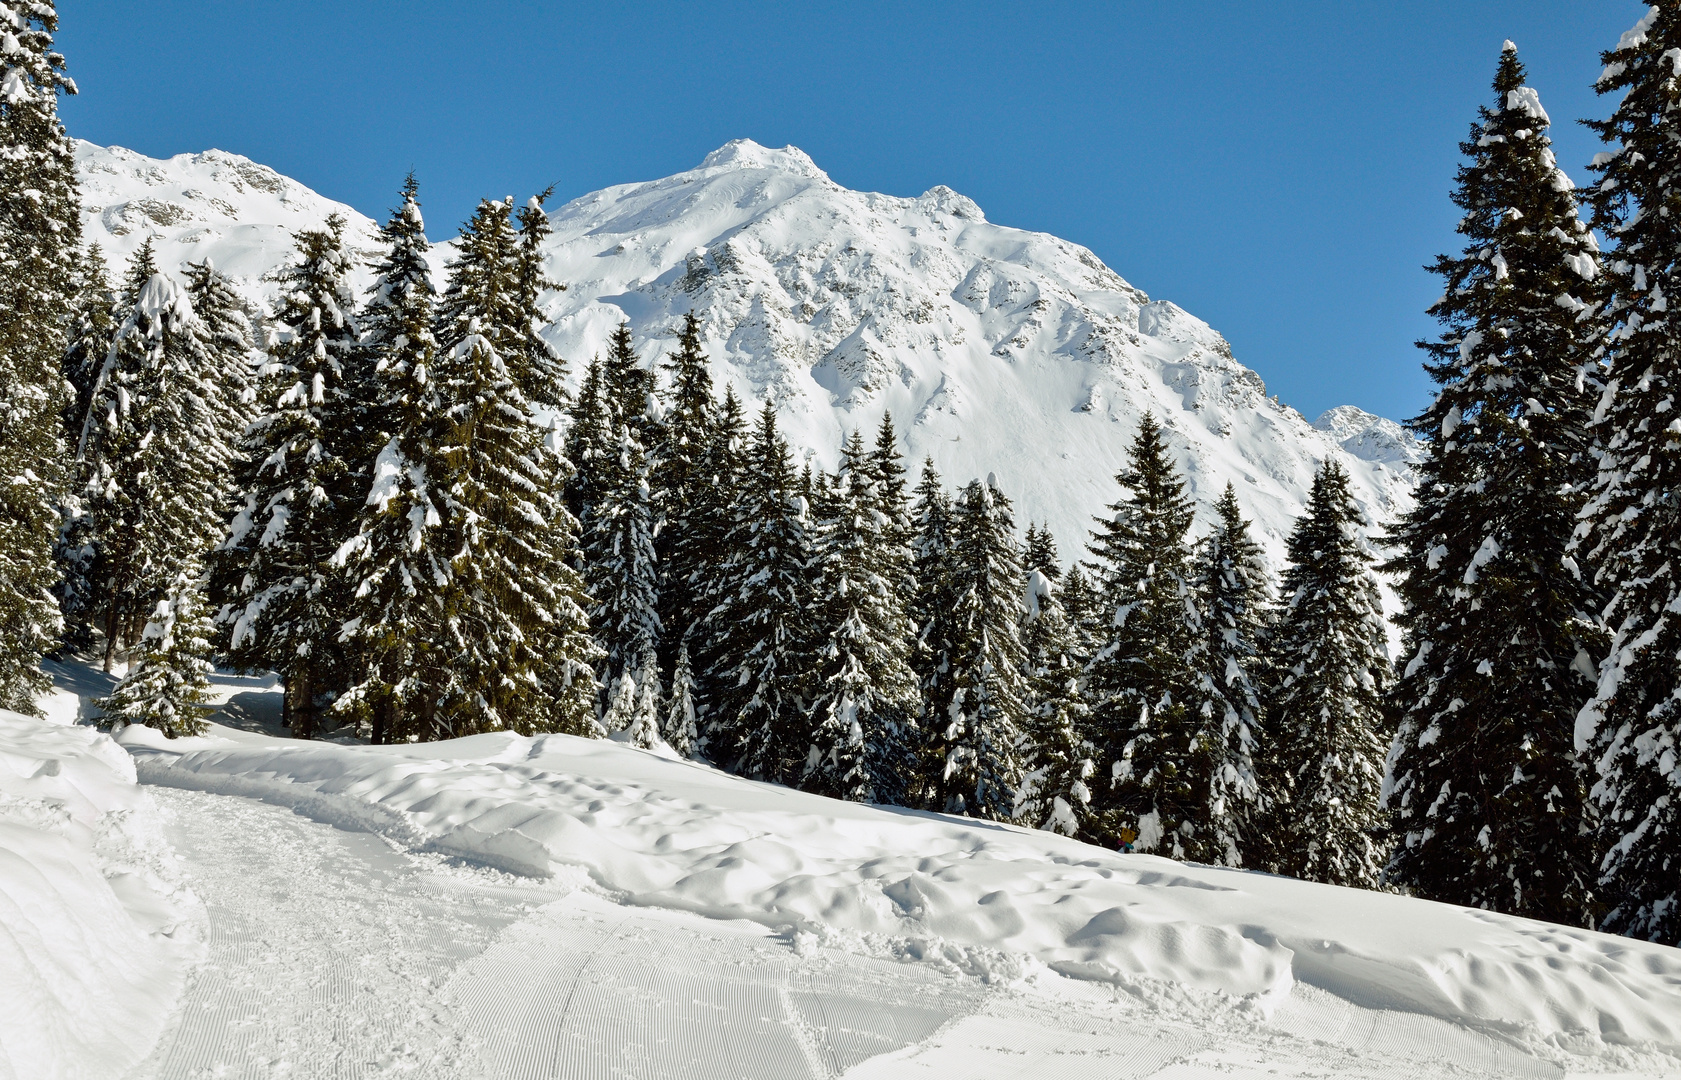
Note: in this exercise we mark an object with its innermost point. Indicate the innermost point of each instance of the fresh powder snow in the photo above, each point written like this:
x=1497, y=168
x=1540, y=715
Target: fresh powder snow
x=511, y=906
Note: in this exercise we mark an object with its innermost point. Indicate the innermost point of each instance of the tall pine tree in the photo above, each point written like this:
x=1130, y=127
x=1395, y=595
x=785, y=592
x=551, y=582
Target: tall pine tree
x=1487, y=797
x=1631, y=726
x=863, y=698
x=283, y=601
x=984, y=723
x=152, y=459
x=1145, y=672
x=679, y=452
x=758, y=623
x=40, y=230
x=1232, y=593
x=932, y=614
x=397, y=561
x=1326, y=711
x=514, y=618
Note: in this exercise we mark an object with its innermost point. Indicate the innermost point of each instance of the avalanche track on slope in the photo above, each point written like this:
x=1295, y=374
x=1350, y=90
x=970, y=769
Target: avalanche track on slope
x=995, y=349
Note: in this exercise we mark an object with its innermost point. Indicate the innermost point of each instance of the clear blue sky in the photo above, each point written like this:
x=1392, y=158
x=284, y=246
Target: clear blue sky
x=1279, y=169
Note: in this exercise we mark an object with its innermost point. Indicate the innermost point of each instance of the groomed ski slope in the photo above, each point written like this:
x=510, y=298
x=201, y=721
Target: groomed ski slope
x=501, y=907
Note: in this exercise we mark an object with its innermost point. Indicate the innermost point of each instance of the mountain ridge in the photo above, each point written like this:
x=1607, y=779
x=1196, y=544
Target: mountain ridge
x=995, y=349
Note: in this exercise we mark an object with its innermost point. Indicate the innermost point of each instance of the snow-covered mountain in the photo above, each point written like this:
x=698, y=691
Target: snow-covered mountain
x=995, y=349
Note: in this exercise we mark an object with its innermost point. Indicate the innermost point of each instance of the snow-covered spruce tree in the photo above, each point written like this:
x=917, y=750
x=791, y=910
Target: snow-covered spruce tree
x=1326, y=710
x=396, y=562
x=514, y=617
x=626, y=385
x=168, y=679
x=537, y=368
x=1039, y=553
x=226, y=328
x=1144, y=675
x=40, y=231
x=151, y=460
x=1233, y=593
x=1056, y=790
x=279, y=596
x=987, y=716
x=1081, y=604
x=1631, y=527
x=1486, y=795
x=679, y=729
x=589, y=442
x=620, y=565
x=932, y=619
x=715, y=498
x=759, y=621
x=678, y=452
x=93, y=323
x=644, y=727
x=863, y=694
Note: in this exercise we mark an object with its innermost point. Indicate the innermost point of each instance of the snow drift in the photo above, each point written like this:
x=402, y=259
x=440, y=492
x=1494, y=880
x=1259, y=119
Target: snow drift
x=988, y=899
x=995, y=349
x=95, y=933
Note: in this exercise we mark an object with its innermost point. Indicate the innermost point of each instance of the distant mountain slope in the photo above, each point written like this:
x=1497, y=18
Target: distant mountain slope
x=995, y=349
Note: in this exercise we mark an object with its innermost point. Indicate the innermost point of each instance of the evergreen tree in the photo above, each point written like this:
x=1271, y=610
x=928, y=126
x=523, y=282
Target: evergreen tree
x=1040, y=553
x=40, y=231
x=1630, y=727
x=168, y=680
x=680, y=729
x=1145, y=673
x=514, y=618
x=988, y=712
x=152, y=460
x=282, y=600
x=679, y=451
x=93, y=324
x=1233, y=593
x=397, y=561
x=1327, y=708
x=626, y=385
x=759, y=616
x=622, y=569
x=1486, y=795
x=226, y=330
x=536, y=367
x=933, y=616
x=1081, y=604
x=644, y=727
x=1056, y=792
x=589, y=445
x=863, y=698
x=715, y=502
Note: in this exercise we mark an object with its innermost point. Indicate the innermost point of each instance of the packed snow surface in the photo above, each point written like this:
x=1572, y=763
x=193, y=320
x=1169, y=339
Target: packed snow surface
x=993, y=903
x=96, y=934
x=994, y=348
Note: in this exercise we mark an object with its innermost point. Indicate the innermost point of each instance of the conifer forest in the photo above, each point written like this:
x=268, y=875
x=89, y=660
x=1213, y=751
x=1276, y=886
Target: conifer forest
x=404, y=503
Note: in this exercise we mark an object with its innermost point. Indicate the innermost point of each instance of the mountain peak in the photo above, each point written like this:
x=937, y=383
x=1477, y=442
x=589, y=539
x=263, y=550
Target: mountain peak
x=747, y=154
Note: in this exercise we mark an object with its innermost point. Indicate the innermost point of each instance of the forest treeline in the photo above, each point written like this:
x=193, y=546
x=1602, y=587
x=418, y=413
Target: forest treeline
x=391, y=500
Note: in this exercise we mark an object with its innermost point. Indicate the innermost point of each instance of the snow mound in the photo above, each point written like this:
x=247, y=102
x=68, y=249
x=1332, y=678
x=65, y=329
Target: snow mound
x=992, y=347
x=96, y=934
x=990, y=900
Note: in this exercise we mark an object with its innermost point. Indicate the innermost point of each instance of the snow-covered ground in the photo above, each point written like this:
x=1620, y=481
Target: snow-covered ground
x=502, y=906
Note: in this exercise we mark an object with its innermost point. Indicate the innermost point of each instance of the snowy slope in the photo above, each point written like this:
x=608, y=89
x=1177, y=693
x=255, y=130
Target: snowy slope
x=996, y=350
x=95, y=932
x=1222, y=952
